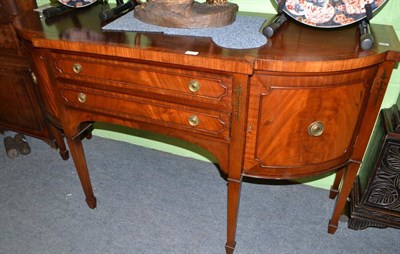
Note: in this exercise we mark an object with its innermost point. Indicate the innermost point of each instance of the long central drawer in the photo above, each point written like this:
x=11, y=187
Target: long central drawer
x=208, y=122
x=196, y=88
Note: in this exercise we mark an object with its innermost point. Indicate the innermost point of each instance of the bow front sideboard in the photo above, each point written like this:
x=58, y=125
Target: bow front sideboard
x=303, y=104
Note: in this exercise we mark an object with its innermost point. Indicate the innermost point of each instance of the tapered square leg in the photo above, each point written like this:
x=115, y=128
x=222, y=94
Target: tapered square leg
x=78, y=155
x=234, y=187
x=348, y=180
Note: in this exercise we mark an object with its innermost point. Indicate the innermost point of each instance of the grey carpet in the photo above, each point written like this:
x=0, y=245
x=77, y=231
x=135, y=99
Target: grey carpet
x=154, y=202
x=241, y=34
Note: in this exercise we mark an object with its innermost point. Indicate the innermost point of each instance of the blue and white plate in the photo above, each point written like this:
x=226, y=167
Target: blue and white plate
x=329, y=13
x=77, y=3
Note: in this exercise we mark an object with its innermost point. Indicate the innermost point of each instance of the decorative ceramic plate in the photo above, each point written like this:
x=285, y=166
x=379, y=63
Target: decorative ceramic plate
x=77, y=3
x=329, y=13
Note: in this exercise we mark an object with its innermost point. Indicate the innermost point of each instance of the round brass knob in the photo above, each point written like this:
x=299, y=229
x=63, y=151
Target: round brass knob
x=77, y=68
x=194, y=86
x=316, y=129
x=34, y=79
x=193, y=120
x=82, y=97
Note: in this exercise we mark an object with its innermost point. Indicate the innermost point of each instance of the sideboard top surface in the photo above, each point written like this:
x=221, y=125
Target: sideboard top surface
x=81, y=31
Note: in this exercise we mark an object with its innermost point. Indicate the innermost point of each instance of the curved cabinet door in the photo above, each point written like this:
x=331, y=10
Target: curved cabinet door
x=303, y=125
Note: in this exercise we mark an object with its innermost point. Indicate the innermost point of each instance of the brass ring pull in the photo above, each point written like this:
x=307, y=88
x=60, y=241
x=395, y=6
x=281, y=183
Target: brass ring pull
x=316, y=129
x=193, y=120
x=194, y=86
x=77, y=68
x=82, y=97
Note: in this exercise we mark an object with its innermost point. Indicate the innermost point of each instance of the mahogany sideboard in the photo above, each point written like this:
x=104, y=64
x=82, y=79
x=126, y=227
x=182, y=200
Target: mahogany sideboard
x=301, y=105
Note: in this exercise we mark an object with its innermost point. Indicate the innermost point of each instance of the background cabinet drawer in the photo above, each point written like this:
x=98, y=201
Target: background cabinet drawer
x=197, y=88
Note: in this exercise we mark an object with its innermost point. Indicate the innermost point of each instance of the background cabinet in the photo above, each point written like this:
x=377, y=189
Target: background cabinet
x=375, y=200
x=21, y=108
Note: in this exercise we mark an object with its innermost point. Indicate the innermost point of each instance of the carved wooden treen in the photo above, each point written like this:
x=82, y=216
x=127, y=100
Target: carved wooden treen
x=187, y=13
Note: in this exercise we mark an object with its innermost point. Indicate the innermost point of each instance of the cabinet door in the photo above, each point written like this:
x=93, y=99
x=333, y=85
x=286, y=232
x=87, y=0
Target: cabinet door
x=298, y=125
x=19, y=106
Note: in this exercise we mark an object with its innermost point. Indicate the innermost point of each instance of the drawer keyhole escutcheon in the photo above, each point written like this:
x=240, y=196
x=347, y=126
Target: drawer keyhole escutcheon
x=77, y=68
x=194, y=86
x=193, y=120
x=82, y=97
x=316, y=129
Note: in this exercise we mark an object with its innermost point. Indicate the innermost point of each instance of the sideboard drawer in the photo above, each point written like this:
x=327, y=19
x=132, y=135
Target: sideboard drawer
x=207, y=122
x=201, y=89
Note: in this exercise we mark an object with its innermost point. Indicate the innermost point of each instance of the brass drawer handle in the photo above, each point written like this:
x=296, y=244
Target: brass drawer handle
x=77, y=68
x=82, y=97
x=193, y=120
x=34, y=78
x=194, y=86
x=316, y=129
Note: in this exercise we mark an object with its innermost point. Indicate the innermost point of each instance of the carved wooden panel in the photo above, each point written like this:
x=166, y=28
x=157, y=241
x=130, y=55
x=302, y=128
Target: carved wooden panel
x=375, y=201
x=384, y=188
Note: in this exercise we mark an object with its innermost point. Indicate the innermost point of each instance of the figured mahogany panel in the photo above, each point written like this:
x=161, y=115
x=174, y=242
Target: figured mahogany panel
x=283, y=112
x=286, y=141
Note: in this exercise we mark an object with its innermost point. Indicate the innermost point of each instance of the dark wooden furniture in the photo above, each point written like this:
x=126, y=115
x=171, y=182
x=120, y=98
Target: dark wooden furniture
x=21, y=108
x=375, y=200
x=302, y=105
